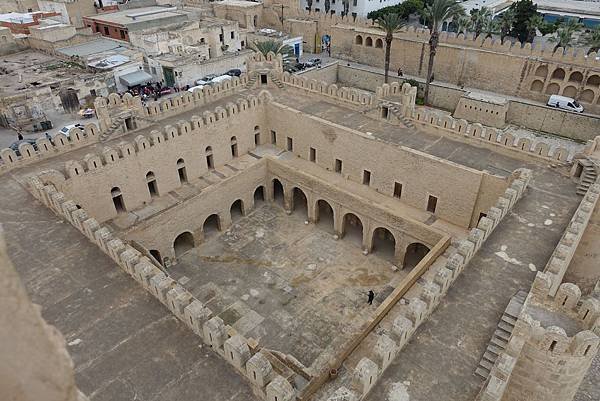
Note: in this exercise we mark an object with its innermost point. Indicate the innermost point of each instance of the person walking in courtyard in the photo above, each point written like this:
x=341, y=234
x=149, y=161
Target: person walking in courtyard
x=400, y=74
x=19, y=136
x=371, y=297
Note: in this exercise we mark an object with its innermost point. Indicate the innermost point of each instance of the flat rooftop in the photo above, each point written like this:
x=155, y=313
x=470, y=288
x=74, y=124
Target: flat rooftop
x=139, y=15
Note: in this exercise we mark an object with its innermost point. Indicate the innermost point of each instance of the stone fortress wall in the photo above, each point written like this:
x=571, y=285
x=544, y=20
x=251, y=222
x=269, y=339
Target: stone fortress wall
x=460, y=60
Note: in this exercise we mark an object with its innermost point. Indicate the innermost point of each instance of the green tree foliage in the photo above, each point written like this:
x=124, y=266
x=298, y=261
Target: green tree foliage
x=592, y=39
x=403, y=9
x=480, y=18
x=523, y=11
x=564, y=35
x=270, y=45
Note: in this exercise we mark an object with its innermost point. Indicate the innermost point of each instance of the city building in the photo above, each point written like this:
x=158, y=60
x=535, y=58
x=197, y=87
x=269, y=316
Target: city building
x=356, y=8
x=70, y=11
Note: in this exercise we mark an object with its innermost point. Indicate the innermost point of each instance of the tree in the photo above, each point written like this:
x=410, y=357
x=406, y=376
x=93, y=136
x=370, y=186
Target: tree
x=480, y=18
x=404, y=10
x=435, y=14
x=592, y=39
x=463, y=24
x=523, y=11
x=564, y=34
x=490, y=28
x=390, y=24
x=507, y=20
x=327, y=6
x=270, y=45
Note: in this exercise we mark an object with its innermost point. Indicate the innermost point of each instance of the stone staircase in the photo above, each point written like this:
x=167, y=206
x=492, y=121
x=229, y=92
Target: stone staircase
x=275, y=79
x=502, y=334
x=116, y=124
x=251, y=81
x=588, y=176
x=396, y=111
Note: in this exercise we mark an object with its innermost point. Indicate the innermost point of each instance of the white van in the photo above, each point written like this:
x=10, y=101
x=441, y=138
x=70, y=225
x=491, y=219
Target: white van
x=565, y=103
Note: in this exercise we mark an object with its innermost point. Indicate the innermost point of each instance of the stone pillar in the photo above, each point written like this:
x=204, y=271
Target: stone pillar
x=365, y=375
x=259, y=370
x=237, y=351
x=280, y=389
x=367, y=239
x=215, y=333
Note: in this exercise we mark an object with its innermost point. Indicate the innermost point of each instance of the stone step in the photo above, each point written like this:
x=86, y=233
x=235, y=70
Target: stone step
x=483, y=372
x=509, y=319
x=494, y=349
x=505, y=326
x=502, y=334
x=486, y=364
x=499, y=342
x=490, y=357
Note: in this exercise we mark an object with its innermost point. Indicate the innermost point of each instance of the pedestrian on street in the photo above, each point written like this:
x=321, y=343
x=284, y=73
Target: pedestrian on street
x=19, y=136
x=400, y=74
x=371, y=297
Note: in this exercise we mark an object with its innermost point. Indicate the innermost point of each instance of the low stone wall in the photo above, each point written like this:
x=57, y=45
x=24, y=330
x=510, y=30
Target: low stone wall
x=266, y=378
x=492, y=136
x=325, y=73
x=563, y=253
x=426, y=297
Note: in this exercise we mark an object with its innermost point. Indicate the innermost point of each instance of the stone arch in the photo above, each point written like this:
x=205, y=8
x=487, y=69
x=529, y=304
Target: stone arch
x=211, y=225
x=278, y=194
x=299, y=202
x=237, y=210
x=352, y=228
x=415, y=252
x=181, y=171
x=537, y=86
x=593, y=80
x=325, y=215
x=384, y=243
x=117, y=198
x=369, y=41
x=570, y=91
x=358, y=40
x=587, y=96
x=183, y=243
x=234, y=146
x=379, y=43
x=259, y=195
x=541, y=71
x=152, y=184
x=552, y=89
x=576, y=76
x=559, y=74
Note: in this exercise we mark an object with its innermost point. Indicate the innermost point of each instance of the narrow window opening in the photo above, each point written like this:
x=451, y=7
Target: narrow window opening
x=257, y=139
x=431, y=203
x=313, y=155
x=338, y=166
x=263, y=79
x=481, y=215
x=397, y=190
x=384, y=112
x=587, y=349
x=290, y=144
x=366, y=177
x=273, y=137
x=553, y=345
x=210, y=162
x=117, y=198
x=182, y=175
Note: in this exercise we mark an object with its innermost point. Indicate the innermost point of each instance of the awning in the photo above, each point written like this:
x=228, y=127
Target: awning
x=135, y=78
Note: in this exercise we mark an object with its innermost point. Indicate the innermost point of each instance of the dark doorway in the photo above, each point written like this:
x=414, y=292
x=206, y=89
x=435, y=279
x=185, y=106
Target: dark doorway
x=278, y=192
x=212, y=225
x=210, y=163
x=263, y=79
x=237, y=210
x=181, y=171
x=259, y=196
x=352, y=229
x=69, y=100
x=234, y=148
x=300, y=205
x=129, y=123
x=183, y=243
x=169, y=76
x=384, y=244
x=117, y=198
x=324, y=216
x=152, y=186
x=414, y=253
x=156, y=255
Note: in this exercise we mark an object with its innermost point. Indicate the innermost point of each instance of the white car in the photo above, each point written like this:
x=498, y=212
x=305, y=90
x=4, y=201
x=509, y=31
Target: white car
x=64, y=130
x=193, y=88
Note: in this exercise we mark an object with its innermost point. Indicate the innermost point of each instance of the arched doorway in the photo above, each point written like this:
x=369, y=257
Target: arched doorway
x=212, y=225
x=117, y=198
x=300, y=203
x=237, y=210
x=210, y=161
x=352, y=229
x=324, y=216
x=384, y=243
x=183, y=243
x=152, y=186
x=278, y=192
x=259, y=196
x=181, y=171
x=234, y=147
x=256, y=135
x=156, y=255
x=414, y=253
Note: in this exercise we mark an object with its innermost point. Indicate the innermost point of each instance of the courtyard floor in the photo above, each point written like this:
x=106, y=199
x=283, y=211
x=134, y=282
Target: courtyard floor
x=290, y=284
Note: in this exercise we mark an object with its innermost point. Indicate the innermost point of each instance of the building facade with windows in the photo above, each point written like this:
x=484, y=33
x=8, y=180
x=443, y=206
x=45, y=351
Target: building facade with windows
x=357, y=8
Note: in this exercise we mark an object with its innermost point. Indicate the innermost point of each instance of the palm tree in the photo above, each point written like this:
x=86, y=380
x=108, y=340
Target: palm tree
x=327, y=6
x=490, y=27
x=463, y=24
x=564, y=34
x=480, y=19
x=435, y=14
x=390, y=24
x=507, y=20
x=592, y=39
x=534, y=22
x=346, y=4
x=270, y=45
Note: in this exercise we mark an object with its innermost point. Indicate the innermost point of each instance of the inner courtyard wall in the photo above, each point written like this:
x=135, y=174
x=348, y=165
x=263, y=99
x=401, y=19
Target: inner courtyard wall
x=456, y=187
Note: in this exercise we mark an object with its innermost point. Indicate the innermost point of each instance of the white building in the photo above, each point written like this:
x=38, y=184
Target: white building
x=358, y=8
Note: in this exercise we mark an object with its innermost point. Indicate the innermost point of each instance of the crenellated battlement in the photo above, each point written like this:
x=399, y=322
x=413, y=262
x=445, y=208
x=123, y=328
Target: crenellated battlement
x=165, y=137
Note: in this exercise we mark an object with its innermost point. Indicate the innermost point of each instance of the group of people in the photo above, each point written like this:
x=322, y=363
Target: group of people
x=153, y=90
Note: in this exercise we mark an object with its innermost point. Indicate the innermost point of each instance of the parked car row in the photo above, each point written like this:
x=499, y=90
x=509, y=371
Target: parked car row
x=213, y=79
x=49, y=135
x=295, y=67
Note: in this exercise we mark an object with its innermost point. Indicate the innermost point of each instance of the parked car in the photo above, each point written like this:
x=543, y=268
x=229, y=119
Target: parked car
x=220, y=79
x=193, y=88
x=15, y=145
x=235, y=72
x=206, y=80
x=565, y=103
x=314, y=61
x=64, y=130
x=166, y=91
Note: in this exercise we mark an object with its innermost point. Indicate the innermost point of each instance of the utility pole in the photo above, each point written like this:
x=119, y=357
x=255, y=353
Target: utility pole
x=282, y=17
